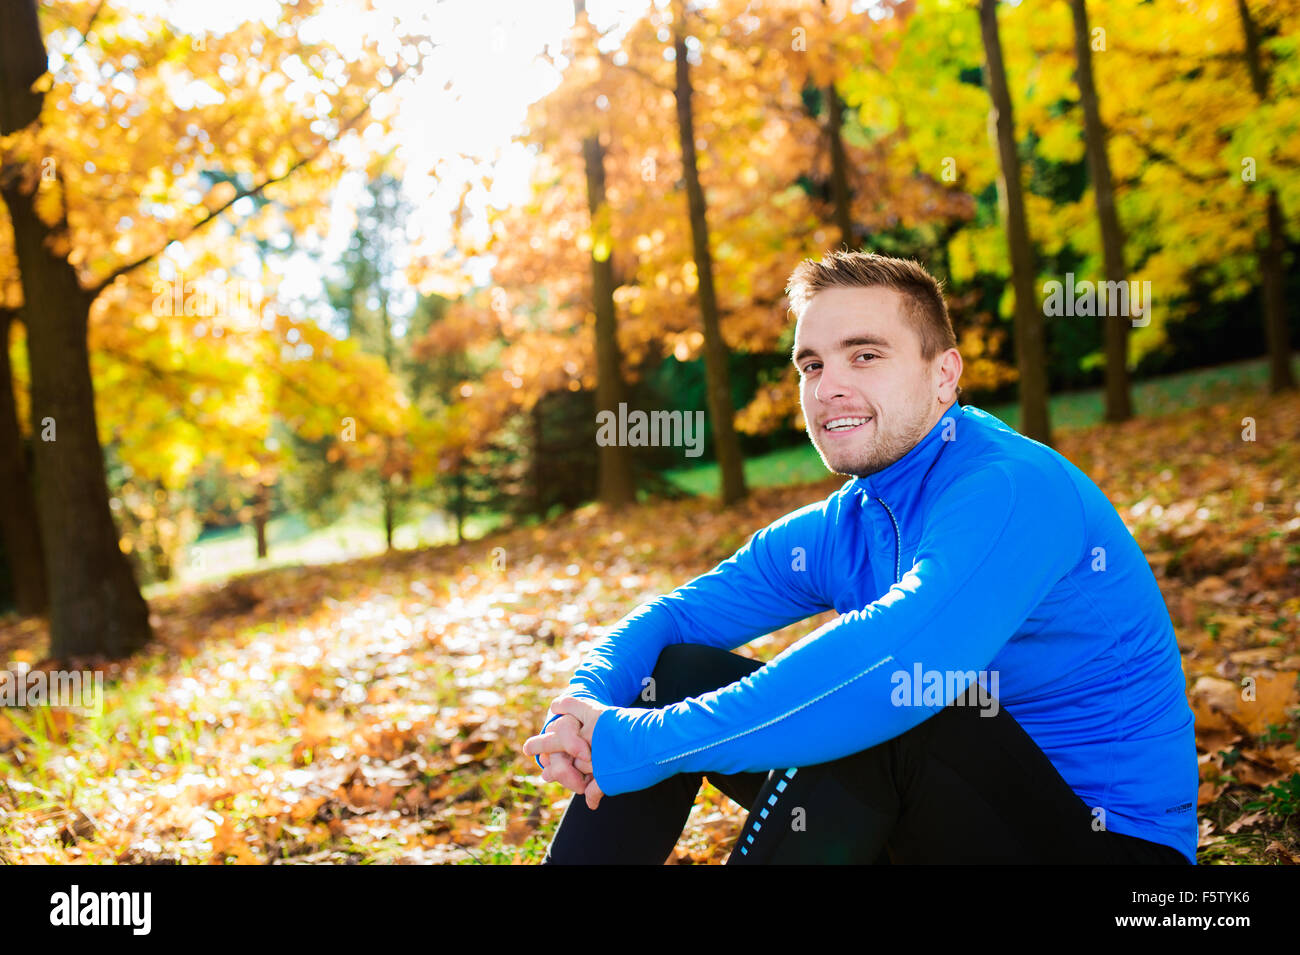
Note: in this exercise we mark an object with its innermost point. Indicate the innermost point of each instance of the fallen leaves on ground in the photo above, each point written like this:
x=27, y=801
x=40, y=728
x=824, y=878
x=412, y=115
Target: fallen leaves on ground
x=374, y=710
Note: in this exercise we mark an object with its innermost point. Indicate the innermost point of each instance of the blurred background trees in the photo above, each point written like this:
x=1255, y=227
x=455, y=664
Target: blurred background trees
x=232, y=321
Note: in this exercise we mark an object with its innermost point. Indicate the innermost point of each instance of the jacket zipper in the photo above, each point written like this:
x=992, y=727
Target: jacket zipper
x=898, y=543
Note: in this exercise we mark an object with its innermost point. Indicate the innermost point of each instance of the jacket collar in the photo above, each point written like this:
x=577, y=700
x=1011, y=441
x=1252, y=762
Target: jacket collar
x=905, y=475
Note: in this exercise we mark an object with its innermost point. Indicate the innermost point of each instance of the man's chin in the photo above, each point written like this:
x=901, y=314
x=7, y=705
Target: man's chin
x=840, y=464
x=849, y=466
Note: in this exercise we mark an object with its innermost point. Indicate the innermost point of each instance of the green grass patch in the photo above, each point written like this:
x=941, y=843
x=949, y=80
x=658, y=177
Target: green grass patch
x=291, y=541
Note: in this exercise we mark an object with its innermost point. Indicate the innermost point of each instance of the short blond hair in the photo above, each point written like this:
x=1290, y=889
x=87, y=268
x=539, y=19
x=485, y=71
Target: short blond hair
x=926, y=309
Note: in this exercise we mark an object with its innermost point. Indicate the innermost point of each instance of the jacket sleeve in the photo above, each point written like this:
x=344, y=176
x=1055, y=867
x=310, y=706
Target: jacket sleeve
x=769, y=583
x=993, y=546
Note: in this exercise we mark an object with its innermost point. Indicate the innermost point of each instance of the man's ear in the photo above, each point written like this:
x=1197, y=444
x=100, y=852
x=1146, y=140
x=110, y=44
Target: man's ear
x=948, y=374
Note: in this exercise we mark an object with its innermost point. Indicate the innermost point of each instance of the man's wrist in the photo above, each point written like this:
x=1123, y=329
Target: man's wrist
x=625, y=742
x=591, y=742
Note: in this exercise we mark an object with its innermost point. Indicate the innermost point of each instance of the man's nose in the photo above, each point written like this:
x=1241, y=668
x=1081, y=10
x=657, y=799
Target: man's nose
x=829, y=386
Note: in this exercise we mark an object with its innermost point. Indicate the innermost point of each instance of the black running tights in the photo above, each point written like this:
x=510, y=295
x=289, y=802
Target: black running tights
x=961, y=787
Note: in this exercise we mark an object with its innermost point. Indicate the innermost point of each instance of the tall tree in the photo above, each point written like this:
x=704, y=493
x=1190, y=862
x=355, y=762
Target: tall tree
x=1276, y=333
x=839, y=166
x=1031, y=348
x=616, y=487
x=364, y=301
x=1119, y=405
x=22, y=535
x=726, y=444
x=67, y=257
x=96, y=602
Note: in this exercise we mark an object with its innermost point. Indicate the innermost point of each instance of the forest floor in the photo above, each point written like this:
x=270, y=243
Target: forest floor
x=374, y=710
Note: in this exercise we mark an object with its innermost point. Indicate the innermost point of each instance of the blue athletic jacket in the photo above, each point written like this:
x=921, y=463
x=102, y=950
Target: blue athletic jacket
x=978, y=550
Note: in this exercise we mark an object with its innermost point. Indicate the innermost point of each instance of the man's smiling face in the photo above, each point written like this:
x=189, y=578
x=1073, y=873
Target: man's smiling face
x=861, y=372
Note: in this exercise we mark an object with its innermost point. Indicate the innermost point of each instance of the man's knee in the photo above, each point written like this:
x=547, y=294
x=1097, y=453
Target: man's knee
x=973, y=719
x=689, y=669
x=676, y=672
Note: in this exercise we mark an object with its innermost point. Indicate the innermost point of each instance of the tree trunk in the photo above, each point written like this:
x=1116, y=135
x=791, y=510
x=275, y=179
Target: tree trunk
x=1031, y=350
x=538, y=435
x=726, y=445
x=388, y=513
x=615, y=485
x=22, y=536
x=95, y=601
x=460, y=502
x=1280, y=376
x=1276, y=332
x=22, y=61
x=1119, y=405
x=839, y=167
x=261, y=517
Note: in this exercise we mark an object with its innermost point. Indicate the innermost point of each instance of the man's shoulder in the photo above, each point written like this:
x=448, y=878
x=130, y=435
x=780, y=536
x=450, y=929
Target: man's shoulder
x=988, y=452
x=815, y=512
x=808, y=522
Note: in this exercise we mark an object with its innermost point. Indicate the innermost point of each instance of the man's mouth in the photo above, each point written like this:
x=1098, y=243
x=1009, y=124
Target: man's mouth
x=846, y=424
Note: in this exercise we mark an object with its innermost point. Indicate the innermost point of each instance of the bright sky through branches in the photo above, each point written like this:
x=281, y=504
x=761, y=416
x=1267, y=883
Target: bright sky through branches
x=488, y=65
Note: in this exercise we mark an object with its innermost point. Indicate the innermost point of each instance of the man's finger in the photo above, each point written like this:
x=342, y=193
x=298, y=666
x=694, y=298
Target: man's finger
x=565, y=741
x=574, y=744
x=564, y=774
x=566, y=720
x=546, y=743
x=583, y=765
x=552, y=767
x=593, y=794
x=572, y=706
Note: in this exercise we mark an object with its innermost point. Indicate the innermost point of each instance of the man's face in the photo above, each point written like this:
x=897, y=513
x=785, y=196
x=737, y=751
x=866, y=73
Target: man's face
x=859, y=359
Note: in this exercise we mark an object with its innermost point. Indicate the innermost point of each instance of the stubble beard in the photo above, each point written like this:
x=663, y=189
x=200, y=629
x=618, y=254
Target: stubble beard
x=884, y=449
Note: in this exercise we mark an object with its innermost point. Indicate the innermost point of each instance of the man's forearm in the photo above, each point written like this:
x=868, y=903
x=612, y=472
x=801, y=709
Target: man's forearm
x=755, y=591
x=616, y=670
x=751, y=593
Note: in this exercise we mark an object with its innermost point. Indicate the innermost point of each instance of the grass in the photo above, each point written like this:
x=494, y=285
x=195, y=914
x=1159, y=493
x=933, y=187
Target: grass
x=291, y=541
x=798, y=465
x=1154, y=396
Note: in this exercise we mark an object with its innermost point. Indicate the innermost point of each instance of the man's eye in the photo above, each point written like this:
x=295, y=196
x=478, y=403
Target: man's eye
x=809, y=367
x=868, y=355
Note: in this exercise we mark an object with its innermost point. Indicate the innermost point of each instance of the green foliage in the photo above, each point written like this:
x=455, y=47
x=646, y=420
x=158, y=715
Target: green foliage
x=1283, y=798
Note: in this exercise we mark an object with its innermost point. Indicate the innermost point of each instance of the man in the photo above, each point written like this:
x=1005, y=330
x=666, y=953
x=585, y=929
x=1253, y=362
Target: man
x=1002, y=683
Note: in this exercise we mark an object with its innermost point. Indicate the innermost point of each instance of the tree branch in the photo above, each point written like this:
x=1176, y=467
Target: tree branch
x=85, y=35
x=1191, y=60
x=637, y=71
x=98, y=287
